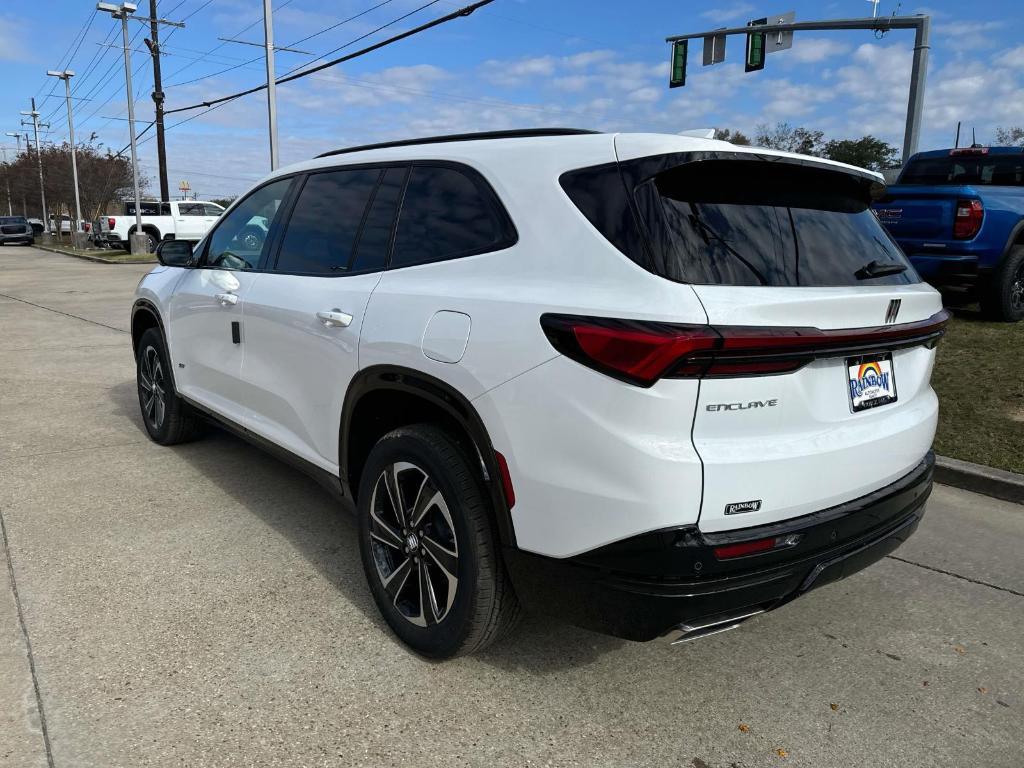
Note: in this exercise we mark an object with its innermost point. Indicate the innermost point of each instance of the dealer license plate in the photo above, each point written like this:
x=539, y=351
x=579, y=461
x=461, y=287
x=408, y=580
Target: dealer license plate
x=871, y=381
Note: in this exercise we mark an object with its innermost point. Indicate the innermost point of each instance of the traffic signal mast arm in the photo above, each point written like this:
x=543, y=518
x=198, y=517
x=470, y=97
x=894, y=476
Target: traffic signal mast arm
x=919, y=23
x=880, y=24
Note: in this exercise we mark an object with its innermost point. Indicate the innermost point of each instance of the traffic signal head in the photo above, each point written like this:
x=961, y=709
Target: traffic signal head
x=677, y=73
x=756, y=47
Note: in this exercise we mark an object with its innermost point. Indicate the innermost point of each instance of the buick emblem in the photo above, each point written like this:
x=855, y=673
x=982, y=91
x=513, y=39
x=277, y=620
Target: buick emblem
x=893, y=311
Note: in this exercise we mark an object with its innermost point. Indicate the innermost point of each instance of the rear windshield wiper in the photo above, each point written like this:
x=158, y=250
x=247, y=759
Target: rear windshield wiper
x=876, y=269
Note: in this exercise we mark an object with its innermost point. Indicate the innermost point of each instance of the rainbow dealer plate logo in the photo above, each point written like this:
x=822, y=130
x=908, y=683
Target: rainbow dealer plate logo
x=871, y=383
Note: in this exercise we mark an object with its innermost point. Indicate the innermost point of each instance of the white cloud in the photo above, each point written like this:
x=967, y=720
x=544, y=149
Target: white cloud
x=810, y=50
x=12, y=37
x=962, y=36
x=727, y=13
x=518, y=72
x=1012, y=58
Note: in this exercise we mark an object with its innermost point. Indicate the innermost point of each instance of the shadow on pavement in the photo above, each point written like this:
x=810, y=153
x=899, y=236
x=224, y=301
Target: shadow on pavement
x=323, y=529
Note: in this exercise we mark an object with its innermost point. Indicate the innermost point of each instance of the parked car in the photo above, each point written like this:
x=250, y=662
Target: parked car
x=653, y=384
x=16, y=229
x=959, y=215
x=174, y=220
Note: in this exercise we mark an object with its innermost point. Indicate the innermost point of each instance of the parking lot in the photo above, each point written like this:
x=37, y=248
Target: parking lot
x=205, y=606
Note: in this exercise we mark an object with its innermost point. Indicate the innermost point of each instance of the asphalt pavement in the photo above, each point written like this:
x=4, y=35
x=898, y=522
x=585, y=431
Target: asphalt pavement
x=204, y=606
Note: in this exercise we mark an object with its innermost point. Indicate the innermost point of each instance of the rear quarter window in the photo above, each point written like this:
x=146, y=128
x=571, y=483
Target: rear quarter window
x=448, y=213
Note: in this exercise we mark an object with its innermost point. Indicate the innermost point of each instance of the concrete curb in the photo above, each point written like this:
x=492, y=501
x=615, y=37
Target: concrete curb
x=88, y=257
x=990, y=481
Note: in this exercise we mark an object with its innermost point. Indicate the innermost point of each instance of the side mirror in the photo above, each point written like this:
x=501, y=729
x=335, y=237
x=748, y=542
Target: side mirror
x=174, y=253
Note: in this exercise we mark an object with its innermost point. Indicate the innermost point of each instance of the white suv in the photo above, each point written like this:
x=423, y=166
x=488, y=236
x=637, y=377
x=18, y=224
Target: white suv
x=654, y=384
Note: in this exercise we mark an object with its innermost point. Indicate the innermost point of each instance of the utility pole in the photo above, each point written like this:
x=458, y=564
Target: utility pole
x=268, y=37
x=39, y=161
x=153, y=43
x=66, y=76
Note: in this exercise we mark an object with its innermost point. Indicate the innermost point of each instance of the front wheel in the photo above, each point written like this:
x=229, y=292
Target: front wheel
x=167, y=417
x=428, y=545
x=1004, y=296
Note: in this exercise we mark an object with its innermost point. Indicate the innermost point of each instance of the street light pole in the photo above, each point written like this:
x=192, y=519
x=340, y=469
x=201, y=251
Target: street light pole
x=39, y=161
x=268, y=37
x=66, y=76
x=17, y=137
x=7, y=180
x=122, y=12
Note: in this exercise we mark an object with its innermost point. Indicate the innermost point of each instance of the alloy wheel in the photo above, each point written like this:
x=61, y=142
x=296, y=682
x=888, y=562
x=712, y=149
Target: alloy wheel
x=153, y=388
x=412, y=538
x=1017, y=289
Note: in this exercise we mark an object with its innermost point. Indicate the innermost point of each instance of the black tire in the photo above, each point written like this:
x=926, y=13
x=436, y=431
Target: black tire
x=169, y=419
x=1003, y=297
x=481, y=607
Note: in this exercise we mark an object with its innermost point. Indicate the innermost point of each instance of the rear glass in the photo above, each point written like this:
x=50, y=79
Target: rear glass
x=998, y=170
x=741, y=222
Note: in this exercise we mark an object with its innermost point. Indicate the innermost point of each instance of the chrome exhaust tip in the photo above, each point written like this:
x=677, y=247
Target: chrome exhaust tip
x=714, y=625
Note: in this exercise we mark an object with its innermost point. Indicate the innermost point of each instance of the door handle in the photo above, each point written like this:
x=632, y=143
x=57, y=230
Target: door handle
x=226, y=299
x=335, y=318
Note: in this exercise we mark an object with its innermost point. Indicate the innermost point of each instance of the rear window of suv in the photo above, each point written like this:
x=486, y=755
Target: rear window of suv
x=717, y=219
x=998, y=170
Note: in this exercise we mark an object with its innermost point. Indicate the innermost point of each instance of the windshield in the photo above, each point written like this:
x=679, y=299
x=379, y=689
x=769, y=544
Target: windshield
x=745, y=222
x=997, y=170
x=12, y=220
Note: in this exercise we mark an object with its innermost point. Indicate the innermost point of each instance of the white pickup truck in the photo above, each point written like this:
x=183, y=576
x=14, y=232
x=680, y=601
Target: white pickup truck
x=174, y=220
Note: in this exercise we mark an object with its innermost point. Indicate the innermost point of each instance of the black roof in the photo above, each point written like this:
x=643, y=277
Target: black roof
x=518, y=133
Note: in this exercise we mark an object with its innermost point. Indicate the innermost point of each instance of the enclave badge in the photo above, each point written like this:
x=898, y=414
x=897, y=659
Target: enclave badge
x=738, y=507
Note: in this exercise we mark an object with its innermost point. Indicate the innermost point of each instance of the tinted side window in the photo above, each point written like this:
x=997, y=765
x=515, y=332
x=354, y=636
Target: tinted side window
x=323, y=227
x=446, y=214
x=372, y=250
x=240, y=237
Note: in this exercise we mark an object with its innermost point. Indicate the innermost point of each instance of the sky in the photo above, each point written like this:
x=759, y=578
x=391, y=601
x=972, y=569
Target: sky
x=515, y=63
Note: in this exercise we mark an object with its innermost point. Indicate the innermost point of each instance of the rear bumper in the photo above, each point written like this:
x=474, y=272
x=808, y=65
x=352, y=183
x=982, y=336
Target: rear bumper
x=19, y=238
x=646, y=586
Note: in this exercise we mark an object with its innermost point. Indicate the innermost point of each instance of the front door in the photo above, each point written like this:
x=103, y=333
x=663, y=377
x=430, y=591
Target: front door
x=303, y=317
x=206, y=326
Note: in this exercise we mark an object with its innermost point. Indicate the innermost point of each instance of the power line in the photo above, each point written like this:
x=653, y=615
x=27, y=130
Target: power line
x=465, y=11
x=86, y=25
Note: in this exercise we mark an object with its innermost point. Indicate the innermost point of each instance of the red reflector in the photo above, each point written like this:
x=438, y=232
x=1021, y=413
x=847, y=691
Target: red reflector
x=968, y=218
x=746, y=548
x=110, y=224
x=506, y=480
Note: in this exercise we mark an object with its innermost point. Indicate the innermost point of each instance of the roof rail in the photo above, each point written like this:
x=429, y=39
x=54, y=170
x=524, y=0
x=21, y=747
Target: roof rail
x=518, y=133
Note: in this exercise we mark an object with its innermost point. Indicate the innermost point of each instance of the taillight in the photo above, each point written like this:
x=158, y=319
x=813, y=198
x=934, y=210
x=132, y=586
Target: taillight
x=631, y=350
x=967, y=221
x=641, y=352
x=110, y=224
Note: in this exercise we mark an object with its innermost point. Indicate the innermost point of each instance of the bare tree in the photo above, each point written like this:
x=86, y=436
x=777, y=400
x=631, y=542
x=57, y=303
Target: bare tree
x=1008, y=137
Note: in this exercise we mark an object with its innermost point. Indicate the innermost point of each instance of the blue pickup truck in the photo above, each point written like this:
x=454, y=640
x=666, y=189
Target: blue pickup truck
x=959, y=215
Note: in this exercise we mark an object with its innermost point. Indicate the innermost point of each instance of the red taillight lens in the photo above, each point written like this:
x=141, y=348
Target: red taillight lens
x=110, y=224
x=631, y=350
x=967, y=222
x=642, y=352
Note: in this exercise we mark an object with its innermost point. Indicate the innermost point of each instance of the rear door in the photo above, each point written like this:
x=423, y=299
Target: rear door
x=303, y=317
x=786, y=255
